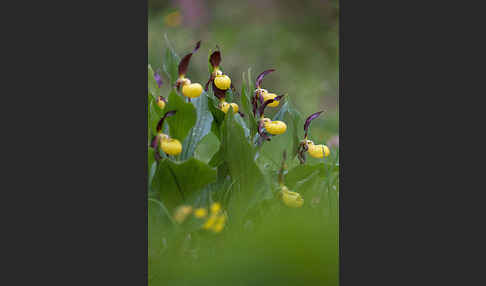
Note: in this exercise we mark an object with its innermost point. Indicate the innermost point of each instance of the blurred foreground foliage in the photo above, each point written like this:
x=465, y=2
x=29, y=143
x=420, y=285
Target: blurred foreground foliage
x=223, y=160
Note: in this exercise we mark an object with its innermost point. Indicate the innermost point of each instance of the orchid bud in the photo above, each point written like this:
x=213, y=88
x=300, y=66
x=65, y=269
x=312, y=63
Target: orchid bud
x=224, y=106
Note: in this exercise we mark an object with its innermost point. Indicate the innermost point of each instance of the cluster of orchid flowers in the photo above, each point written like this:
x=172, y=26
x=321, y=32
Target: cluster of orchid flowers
x=214, y=222
x=260, y=100
x=220, y=84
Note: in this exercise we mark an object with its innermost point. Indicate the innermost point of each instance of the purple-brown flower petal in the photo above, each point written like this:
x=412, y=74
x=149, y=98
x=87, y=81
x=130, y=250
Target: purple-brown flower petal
x=267, y=102
x=301, y=152
x=220, y=94
x=308, y=121
x=254, y=104
x=161, y=121
x=215, y=59
x=261, y=132
x=162, y=98
x=155, y=142
x=184, y=63
x=261, y=76
x=211, y=79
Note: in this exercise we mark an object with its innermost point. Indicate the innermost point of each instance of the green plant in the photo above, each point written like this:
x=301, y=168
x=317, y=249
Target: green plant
x=222, y=172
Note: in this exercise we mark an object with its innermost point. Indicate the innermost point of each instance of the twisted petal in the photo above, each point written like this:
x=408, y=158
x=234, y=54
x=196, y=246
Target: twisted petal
x=267, y=102
x=161, y=121
x=220, y=94
x=215, y=59
x=261, y=132
x=184, y=63
x=261, y=76
x=309, y=119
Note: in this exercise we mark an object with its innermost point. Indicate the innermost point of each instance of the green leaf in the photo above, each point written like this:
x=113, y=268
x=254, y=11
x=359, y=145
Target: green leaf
x=181, y=123
x=301, y=173
x=171, y=63
x=217, y=158
x=174, y=182
x=207, y=148
x=295, y=125
x=247, y=107
x=201, y=129
x=242, y=122
x=152, y=165
x=218, y=116
x=273, y=150
x=249, y=183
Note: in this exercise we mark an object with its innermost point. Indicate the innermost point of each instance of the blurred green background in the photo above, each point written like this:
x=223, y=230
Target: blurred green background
x=297, y=38
x=280, y=246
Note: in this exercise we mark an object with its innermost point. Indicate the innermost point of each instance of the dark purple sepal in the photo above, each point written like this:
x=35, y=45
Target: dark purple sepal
x=161, y=121
x=215, y=59
x=162, y=98
x=184, y=63
x=155, y=142
x=254, y=103
x=267, y=102
x=260, y=98
x=220, y=94
x=261, y=131
x=301, y=152
x=210, y=80
x=261, y=76
x=308, y=121
x=157, y=155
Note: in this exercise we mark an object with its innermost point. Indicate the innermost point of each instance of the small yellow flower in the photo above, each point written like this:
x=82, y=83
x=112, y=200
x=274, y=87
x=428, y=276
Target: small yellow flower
x=192, y=90
x=216, y=220
x=267, y=96
x=170, y=146
x=219, y=224
x=224, y=106
x=181, y=213
x=291, y=199
x=200, y=212
x=210, y=222
x=215, y=208
x=274, y=127
x=222, y=82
